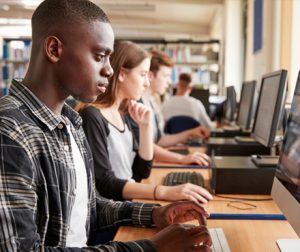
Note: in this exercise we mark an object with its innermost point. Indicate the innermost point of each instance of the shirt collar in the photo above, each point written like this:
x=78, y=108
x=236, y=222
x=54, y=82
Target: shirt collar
x=40, y=110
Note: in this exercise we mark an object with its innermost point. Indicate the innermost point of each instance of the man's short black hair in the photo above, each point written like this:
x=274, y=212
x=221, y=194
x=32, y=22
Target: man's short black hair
x=55, y=14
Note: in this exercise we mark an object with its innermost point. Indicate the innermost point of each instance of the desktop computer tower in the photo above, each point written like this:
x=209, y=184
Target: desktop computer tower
x=230, y=147
x=239, y=175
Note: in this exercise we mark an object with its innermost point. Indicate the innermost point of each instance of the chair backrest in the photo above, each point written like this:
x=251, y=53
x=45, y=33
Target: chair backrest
x=178, y=124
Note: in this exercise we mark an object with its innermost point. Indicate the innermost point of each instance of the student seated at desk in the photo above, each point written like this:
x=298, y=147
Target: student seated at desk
x=47, y=196
x=159, y=76
x=119, y=160
x=182, y=104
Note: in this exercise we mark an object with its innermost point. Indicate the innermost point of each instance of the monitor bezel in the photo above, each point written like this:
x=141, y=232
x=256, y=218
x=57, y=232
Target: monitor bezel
x=247, y=125
x=287, y=203
x=233, y=104
x=284, y=199
x=279, y=106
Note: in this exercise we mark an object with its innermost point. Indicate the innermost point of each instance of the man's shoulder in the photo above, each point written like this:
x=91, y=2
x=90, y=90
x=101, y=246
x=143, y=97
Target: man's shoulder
x=12, y=112
x=10, y=107
x=9, y=103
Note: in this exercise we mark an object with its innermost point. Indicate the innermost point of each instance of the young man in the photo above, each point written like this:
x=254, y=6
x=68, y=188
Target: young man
x=183, y=104
x=47, y=193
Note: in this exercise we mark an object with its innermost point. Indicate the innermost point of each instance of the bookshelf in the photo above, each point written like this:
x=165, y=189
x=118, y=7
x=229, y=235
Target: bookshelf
x=14, y=60
x=200, y=58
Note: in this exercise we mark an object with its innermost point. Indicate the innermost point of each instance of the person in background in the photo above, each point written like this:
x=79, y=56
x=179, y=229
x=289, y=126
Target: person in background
x=159, y=76
x=47, y=196
x=182, y=104
x=119, y=160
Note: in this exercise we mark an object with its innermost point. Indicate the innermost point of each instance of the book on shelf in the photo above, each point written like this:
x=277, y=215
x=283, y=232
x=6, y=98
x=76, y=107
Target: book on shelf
x=15, y=58
x=199, y=76
x=16, y=50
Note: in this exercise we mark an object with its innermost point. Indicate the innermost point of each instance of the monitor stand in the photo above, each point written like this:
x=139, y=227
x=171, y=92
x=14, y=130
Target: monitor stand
x=288, y=245
x=265, y=161
x=241, y=139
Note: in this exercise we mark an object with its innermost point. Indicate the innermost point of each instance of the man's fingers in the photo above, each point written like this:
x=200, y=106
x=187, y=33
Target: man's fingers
x=202, y=248
x=201, y=219
x=200, y=236
x=187, y=206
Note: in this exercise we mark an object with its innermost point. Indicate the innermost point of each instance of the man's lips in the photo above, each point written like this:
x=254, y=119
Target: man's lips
x=102, y=87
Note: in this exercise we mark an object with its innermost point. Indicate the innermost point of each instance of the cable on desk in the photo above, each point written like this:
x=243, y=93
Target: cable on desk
x=245, y=205
x=244, y=199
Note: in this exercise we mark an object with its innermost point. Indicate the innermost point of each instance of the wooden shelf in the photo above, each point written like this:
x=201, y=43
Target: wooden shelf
x=15, y=61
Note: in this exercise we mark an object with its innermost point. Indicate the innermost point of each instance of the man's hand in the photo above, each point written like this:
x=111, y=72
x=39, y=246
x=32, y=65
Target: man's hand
x=200, y=132
x=179, y=212
x=181, y=238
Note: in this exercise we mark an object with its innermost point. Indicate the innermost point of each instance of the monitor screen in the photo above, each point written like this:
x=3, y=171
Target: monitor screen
x=286, y=186
x=245, y=112
x=270, y=107
x=230, y=107
x=202, y=95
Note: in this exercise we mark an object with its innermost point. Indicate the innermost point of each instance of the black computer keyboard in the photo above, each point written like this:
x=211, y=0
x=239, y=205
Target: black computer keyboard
x=176, y=178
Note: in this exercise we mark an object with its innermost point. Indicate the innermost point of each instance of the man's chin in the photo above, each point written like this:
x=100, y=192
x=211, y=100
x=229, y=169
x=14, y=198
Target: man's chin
x=86, y=99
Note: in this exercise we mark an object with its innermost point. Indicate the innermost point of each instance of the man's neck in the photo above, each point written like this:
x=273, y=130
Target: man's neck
x=46, y=94
x=182, y=93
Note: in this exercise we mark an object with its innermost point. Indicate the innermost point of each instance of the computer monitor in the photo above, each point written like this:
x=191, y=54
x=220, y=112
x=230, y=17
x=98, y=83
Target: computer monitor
x=270, y=107
x=202, y=95
x=286, y=185
x=245, y=112
x=230, y=106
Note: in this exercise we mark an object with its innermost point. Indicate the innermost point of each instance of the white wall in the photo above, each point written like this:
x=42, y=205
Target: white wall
x=234, y=45
x=295, y=46
x=216, y=28
x=281, y=41
x=267, y=59
x=217, y=32
x=249, y=59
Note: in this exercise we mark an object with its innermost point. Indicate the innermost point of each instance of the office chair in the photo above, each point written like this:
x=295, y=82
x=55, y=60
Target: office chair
x=178, y=124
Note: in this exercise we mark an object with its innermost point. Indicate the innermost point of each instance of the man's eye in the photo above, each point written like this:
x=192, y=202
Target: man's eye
x=100, y=57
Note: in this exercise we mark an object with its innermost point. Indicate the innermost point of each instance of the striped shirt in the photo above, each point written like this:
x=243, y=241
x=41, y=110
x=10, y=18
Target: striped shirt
x=37, y=180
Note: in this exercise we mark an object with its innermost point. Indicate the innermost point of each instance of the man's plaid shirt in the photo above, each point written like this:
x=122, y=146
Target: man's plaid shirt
x=37, y=180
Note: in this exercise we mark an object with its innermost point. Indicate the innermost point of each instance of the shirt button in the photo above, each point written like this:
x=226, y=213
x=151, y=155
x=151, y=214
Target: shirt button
x=66, y=148
x=60, y=126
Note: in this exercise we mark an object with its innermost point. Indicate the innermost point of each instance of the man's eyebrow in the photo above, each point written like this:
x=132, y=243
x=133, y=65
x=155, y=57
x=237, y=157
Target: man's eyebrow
x=107, y=50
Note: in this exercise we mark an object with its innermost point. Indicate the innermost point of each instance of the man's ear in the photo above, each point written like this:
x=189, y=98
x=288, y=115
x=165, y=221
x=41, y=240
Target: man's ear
x=53, y=48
